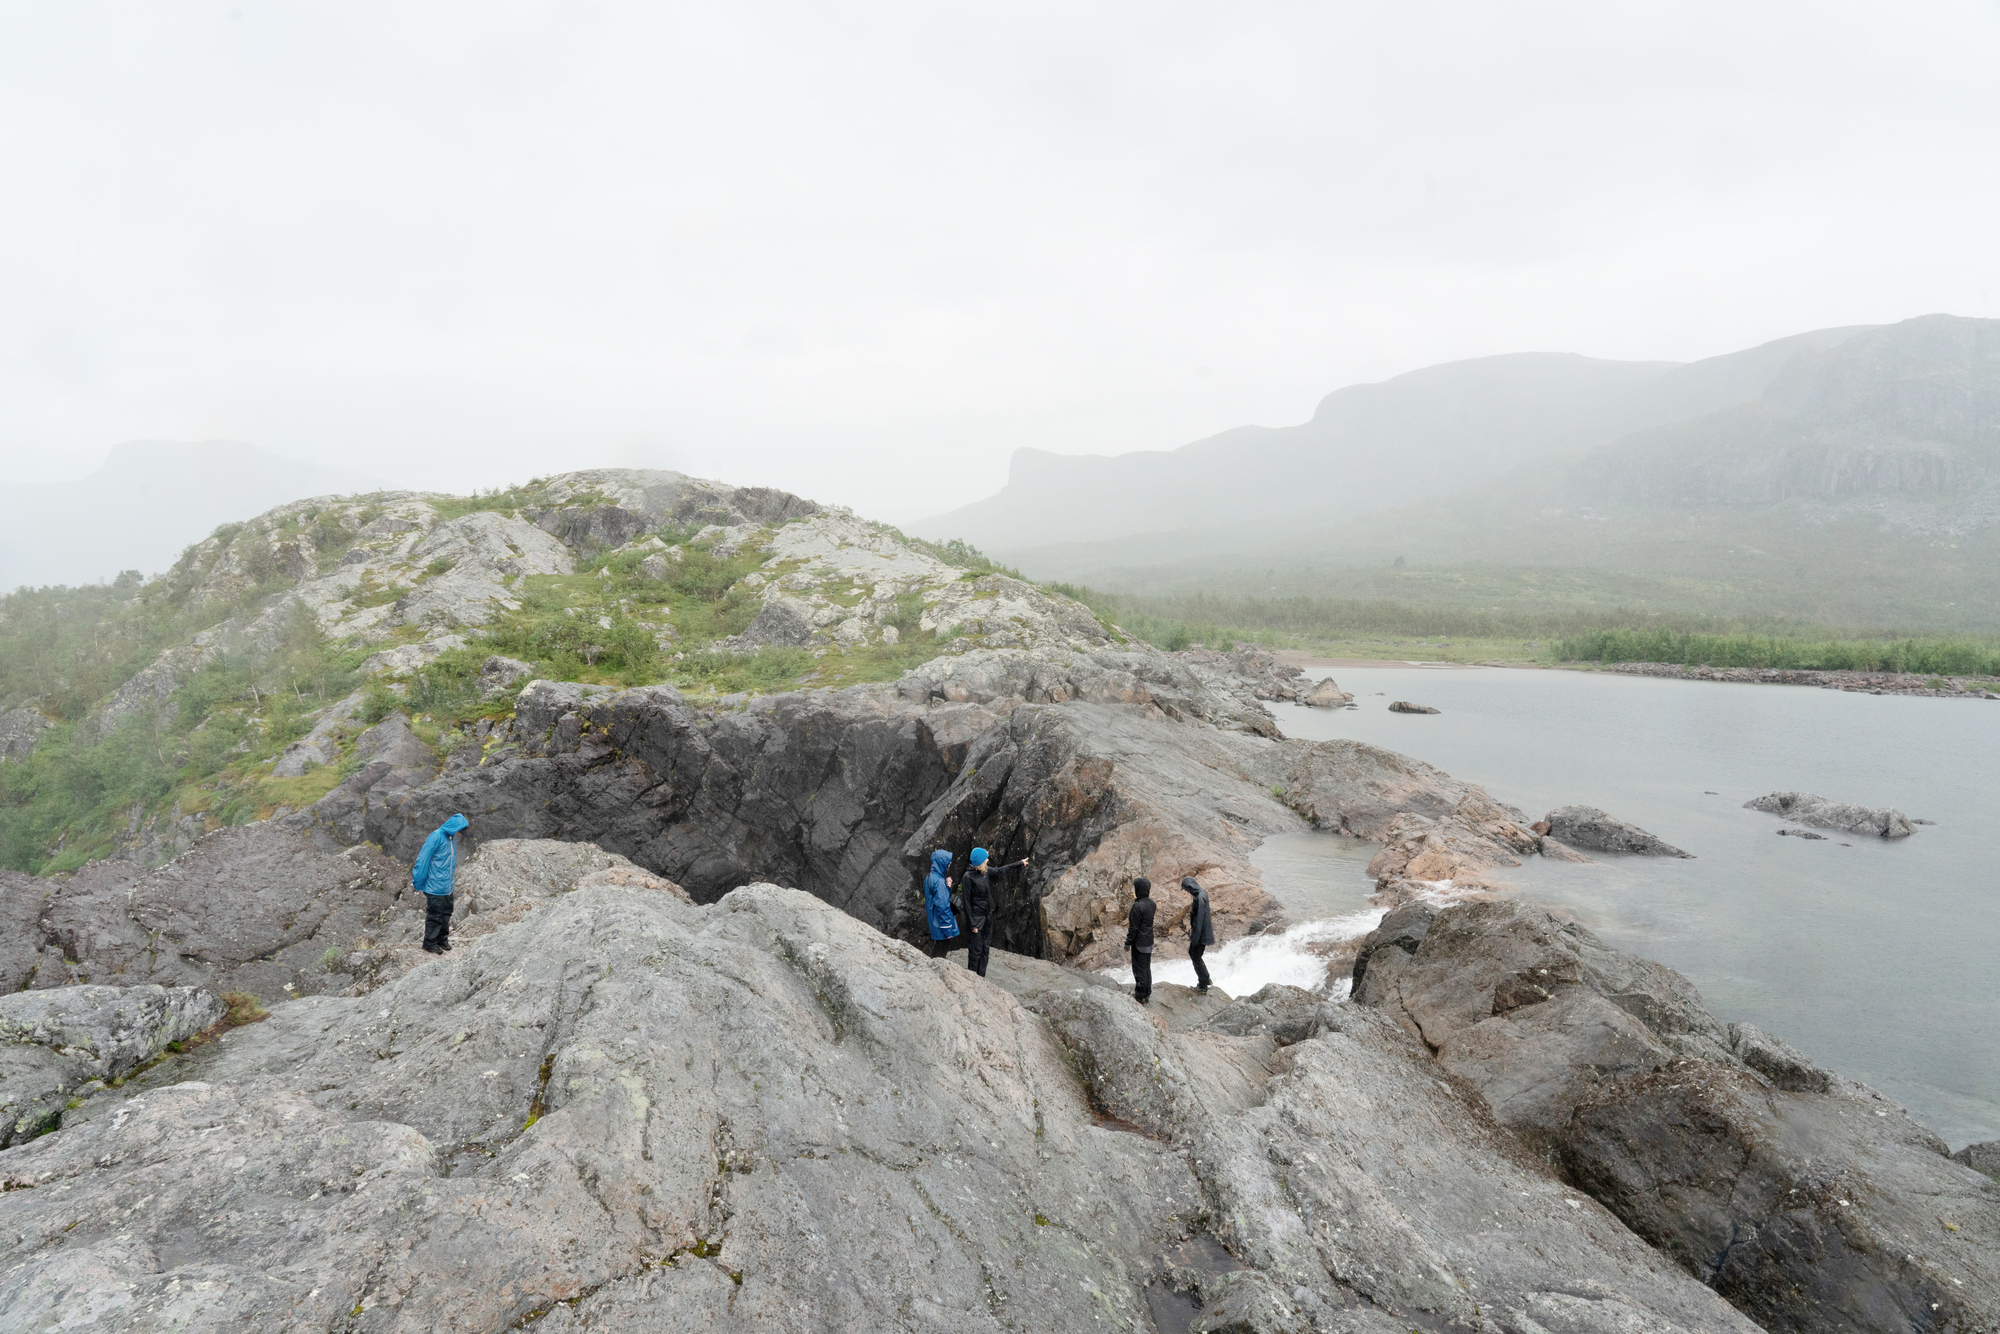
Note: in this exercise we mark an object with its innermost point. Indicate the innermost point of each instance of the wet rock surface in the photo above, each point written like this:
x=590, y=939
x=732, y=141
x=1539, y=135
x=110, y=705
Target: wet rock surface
x=1811, y=1202
x=632, y=1113
x=1592, y=830
x=55, y=1045
x=1807, y=809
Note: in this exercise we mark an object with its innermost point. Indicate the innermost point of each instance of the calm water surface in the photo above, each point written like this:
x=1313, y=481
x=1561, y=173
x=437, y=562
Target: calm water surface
x=1880, y=960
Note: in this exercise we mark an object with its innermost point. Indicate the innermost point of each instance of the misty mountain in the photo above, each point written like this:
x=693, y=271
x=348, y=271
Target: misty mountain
x=1860, y=486
x=1367, y=448
x=142, y=508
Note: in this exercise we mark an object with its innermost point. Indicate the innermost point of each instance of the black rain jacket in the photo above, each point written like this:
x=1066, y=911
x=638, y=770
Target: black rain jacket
x=1139, y=926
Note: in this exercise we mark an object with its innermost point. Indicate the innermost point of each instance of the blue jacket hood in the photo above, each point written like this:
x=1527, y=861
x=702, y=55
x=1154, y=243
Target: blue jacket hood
x=937, y=898
x=436, y=867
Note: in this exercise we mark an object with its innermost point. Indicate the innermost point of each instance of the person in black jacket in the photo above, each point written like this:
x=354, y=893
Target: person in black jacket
x=978, y=892
x=1139, y=939
x=1201, y=931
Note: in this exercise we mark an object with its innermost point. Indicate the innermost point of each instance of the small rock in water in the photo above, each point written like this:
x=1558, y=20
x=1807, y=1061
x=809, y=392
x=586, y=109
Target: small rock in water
x=1800, y=833
x=1588, y=827
x=1404, y=706
x=1806, y=808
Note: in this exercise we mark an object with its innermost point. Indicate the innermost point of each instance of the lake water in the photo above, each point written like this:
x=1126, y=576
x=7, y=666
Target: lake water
x=1880, y=960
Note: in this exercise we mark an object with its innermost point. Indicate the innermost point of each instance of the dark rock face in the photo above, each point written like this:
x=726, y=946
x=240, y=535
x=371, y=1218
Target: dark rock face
x=249, y=908
x=1798, y=1195
x=1809, y=1212
x=363, y=808
x=1588, y=828
x=56, y=1044
x=1845, y=816
x=21, y=898
x=824, y=789
x=1981, y=1157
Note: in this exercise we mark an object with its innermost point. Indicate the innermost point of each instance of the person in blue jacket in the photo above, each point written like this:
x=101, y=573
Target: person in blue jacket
x=937, y=898
x=434, y=873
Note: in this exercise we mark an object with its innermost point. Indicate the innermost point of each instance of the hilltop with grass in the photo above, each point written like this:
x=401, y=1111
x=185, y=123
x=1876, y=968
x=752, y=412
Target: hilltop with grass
x=137, y=714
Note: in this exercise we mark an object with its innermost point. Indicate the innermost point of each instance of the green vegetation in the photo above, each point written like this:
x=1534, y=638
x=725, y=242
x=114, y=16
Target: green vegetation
x=203, y=748
x=1937, y=657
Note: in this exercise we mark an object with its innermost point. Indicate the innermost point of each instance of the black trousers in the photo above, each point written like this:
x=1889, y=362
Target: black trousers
x=437, y=921
x=978, y=949
x=1200, y=968
x=1142, y=974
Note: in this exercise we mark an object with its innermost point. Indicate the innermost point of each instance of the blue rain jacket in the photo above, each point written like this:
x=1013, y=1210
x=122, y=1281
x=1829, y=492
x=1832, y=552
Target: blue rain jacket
x=937, y=898
x=437, y=864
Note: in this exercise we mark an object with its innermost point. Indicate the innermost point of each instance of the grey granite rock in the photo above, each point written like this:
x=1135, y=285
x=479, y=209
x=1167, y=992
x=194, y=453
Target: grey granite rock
x=20, y=731
x=58, y=1043
x=1592, y=830
x=251, y=908
x=1805, y=808
x=364, y=808
x=1809, y=1211
x=501, y=675
x=322, y=744
x=1327, y=694
x=1984, y=1157
x=1794, y=1193
x=631, y=1113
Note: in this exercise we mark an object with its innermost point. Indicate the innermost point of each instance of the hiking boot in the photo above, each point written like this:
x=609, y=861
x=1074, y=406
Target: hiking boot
x=432, y=949
x=442, y=948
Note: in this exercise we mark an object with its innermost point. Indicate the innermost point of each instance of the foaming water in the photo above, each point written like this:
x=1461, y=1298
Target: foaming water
x=1254, y=962
x=1322, y=881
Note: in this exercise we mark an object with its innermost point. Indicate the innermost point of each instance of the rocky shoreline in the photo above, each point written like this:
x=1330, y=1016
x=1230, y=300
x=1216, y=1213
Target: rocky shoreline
x=1870, y=683
x=695, y=1063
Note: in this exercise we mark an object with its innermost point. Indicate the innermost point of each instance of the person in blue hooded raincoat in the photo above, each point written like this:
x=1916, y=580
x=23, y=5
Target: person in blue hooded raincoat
x=937, y=898
x=434, y=874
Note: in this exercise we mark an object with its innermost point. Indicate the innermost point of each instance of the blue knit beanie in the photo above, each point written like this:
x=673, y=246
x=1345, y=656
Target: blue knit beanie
x=979, y=856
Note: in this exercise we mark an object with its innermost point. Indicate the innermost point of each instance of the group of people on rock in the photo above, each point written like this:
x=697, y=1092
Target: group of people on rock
x=436, y=867
x=943, y=902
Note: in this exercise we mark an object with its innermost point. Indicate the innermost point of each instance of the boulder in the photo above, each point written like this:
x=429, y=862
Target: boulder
x=1327, y=694
x=56, y=1044
x=1404, y=706
x=1796, y=1194
x=1808, y=1211
x=364, y=808
x=1984, y=1157
x=500, y=676
x=1807, y=809
x=1588, y=828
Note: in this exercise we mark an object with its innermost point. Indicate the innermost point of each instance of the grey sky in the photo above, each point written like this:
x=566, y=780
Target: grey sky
x=863, y=251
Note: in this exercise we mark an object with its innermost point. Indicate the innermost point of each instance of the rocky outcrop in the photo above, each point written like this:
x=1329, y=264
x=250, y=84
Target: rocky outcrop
x=1404, y=706
x=252, y=908
x=1248, y=673
x=1591, y=829
x=1327, y=695
x=20, y=732
x=1983, y=1157
x=322, y=744
x=56, y=1046
x=631, y=1113
x=1873, y=683
x=503, y=676
x=1808, y=809
x=1810, y=1202
x=364, y=808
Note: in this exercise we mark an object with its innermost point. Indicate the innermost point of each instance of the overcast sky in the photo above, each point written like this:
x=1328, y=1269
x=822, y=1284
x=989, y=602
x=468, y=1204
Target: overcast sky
x=864, y=251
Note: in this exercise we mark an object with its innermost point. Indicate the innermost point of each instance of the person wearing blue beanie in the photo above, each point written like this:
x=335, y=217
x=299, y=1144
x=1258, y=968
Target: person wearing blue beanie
x=979, y=908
